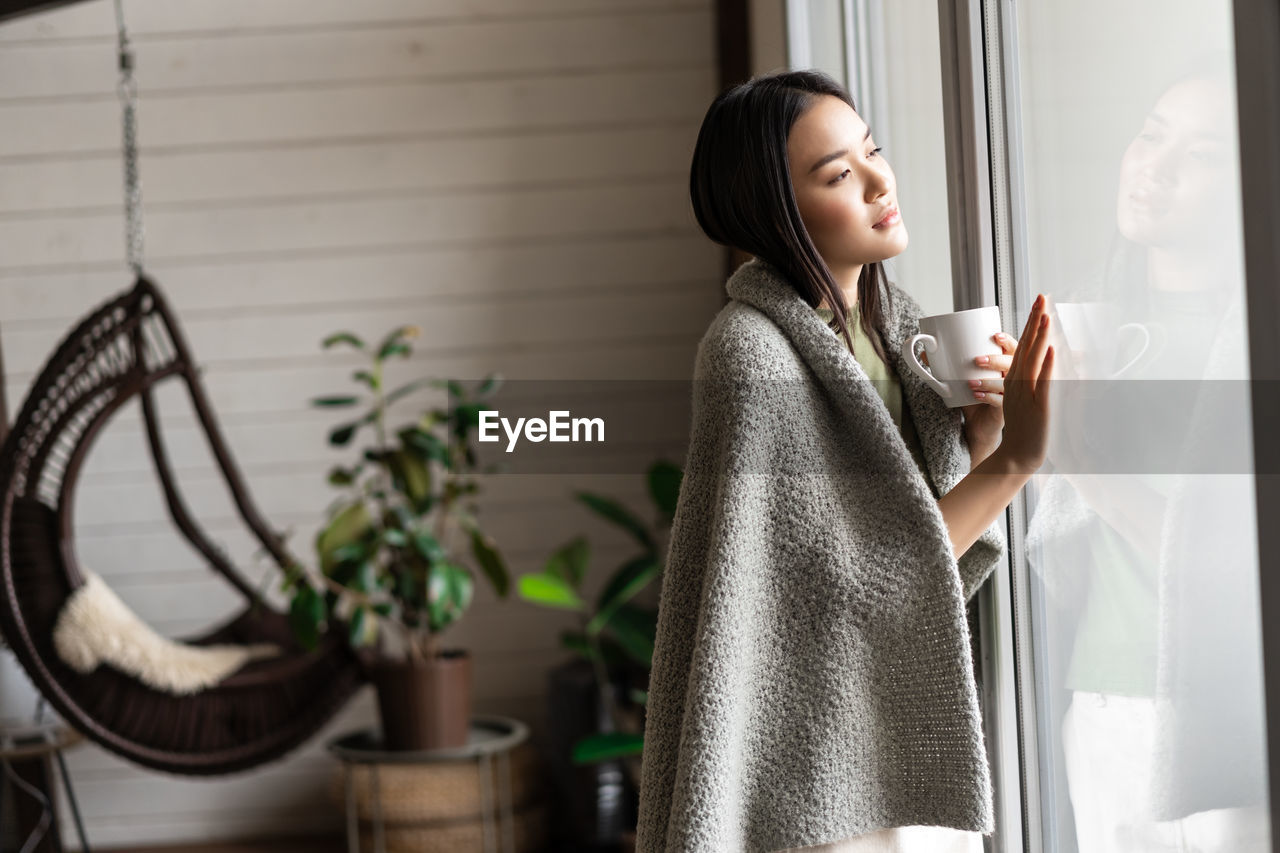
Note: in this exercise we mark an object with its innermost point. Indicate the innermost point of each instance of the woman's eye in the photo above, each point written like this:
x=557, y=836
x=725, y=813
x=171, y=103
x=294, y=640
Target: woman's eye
x=875, y=152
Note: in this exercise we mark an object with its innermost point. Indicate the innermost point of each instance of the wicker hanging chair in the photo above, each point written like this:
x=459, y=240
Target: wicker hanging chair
x=257, y=713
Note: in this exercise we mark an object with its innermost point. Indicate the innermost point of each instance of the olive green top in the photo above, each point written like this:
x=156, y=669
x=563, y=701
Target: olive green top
x=884, y=380
x=1115, y=644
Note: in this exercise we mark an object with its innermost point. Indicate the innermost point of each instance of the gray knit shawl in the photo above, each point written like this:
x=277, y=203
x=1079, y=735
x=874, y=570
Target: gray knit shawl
x=812, y=677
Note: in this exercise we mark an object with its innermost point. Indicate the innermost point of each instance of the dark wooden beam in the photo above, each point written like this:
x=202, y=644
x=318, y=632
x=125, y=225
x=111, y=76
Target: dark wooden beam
x=18, y=8
x=733, y=60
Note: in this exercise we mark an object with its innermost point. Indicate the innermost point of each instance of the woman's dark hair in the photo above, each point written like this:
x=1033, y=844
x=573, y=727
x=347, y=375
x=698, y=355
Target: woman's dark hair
x=740, y=186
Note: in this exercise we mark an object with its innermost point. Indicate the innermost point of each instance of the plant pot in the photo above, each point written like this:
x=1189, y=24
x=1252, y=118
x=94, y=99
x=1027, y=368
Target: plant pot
x=424, y=704
x=595, y=805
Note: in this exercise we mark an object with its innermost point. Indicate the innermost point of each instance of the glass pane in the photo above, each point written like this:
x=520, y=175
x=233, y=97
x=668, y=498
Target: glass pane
x=912, y=138
x=1142, y=543
x=826, y=37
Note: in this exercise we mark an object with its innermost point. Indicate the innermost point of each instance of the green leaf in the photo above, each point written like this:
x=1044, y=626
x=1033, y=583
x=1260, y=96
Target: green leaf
x=424, y=444
x=367, y=378
x=306, y=616
x=340, y=436
x=394, y=341
x=569, y=562
x=450, y=593
x=615, y=512
x=428, y=547
x=461, y=587
x=334, y=402
x=411, y=476
x=394, y=349
x=394, y=536
x=634, y=628
x=490, y=561
x=343, y=338
x=491, y=383
x=366, y=577
x=603, y=746
x=353, y=552
x=466, y=417
x=664, y=487
x=634, y=576
x=339, y=476
x=346, y=528
x=355, y=630
x=549, y=591
x=405, y=389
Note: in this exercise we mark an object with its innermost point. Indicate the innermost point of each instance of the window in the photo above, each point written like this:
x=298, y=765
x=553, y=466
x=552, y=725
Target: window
x=1092, y=151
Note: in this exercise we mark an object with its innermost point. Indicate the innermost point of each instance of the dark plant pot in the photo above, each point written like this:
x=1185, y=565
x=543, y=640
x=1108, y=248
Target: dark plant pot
x=595, y=804
x=424, y=704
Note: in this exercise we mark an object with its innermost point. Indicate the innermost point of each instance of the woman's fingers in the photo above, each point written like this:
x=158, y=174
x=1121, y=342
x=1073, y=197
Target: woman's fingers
x=994, y=362
x=1039, y=347
x=1018, y=367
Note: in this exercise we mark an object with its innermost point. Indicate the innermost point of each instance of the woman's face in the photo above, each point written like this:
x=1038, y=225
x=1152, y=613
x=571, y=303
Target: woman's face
x=1177, y=183
x=843, y=186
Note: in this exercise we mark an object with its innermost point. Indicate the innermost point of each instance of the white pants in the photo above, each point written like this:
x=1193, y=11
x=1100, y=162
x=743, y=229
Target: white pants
x=903, y=839
x=1108, y=740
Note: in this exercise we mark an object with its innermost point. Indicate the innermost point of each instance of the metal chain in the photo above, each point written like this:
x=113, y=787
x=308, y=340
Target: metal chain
x=128, y=90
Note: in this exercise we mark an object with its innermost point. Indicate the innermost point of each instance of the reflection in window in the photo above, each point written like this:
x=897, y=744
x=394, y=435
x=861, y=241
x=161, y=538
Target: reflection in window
x=1142, y=543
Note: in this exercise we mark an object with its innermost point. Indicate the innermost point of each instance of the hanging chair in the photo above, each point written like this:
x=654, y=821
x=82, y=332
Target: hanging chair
x=277, y=697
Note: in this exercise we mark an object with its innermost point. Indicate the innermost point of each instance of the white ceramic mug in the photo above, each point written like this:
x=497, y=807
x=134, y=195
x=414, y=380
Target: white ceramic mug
x=953, y=341
x=1093, y=333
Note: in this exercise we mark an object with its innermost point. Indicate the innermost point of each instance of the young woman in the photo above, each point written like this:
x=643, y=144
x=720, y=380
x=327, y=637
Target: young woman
x=812, y=683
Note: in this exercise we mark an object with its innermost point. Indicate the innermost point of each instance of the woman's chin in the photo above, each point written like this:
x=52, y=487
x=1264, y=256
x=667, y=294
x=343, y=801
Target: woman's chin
x=898, y=244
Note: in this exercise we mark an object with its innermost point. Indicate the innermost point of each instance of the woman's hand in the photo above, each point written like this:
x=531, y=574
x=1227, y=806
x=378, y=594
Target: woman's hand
x=984, y=420
x=1026, y=393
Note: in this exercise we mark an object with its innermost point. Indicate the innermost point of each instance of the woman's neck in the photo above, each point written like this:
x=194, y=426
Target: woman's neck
x=1178, y=271
x=847, y=281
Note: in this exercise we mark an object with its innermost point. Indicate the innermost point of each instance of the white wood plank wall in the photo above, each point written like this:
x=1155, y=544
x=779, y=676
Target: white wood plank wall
x=511, y=175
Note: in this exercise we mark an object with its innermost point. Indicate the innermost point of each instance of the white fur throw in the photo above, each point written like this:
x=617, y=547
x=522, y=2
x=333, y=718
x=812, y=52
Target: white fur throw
x=95, y=627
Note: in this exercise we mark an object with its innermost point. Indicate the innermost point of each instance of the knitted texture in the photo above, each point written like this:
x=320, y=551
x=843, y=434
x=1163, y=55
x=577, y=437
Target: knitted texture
x=811, y=677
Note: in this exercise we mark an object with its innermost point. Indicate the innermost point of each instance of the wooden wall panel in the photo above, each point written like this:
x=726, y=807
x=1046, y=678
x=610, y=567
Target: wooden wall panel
x=510, y=176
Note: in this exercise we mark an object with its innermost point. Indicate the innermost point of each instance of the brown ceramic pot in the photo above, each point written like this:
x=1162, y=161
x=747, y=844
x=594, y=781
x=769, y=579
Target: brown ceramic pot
x=424, y=704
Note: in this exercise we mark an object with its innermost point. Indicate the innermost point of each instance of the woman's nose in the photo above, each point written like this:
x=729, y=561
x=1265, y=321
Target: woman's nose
x=877, y=185
x=1161, y=167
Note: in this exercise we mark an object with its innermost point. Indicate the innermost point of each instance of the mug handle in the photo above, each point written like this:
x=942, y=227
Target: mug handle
x=909, y=355
x=1146, y=342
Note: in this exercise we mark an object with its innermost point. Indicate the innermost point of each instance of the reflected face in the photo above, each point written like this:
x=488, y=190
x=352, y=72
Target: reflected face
x=843, y=187
x=1178, y=185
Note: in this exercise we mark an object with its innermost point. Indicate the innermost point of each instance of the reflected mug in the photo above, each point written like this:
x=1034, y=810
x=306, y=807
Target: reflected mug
x=1092, y=333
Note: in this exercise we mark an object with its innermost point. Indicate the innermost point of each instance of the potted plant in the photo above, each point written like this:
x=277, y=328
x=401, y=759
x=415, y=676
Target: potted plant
x=398, y=553
x=599, y=696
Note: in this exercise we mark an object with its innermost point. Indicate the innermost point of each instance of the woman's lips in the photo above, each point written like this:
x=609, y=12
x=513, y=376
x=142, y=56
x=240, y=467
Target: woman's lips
x=892, y=218
x=1144, y=198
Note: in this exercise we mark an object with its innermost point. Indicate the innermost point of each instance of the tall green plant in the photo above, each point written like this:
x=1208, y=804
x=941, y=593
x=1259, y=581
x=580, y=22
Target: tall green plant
x=614, y=631
x=387, y=555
